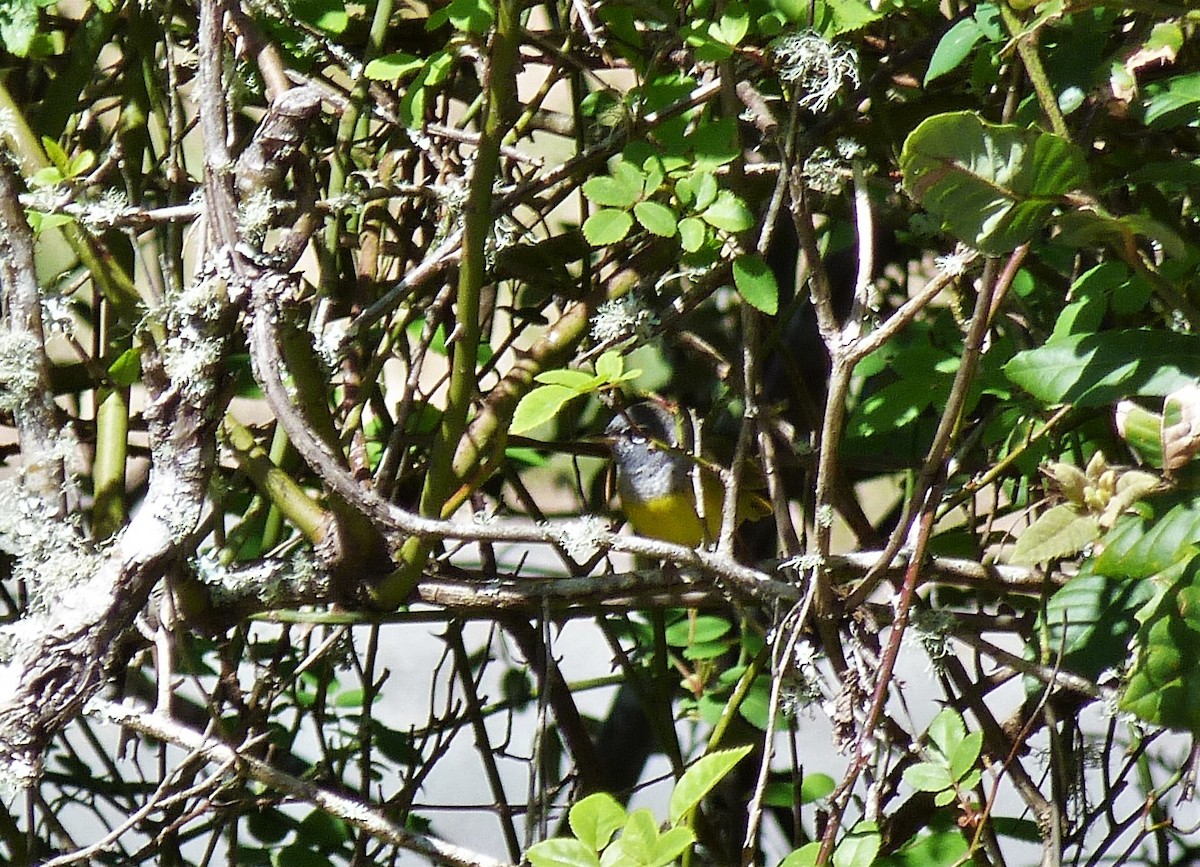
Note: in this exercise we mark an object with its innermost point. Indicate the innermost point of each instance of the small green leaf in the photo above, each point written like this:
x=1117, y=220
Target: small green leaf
x=705, y=627
x=692, y=234
x=928, y=777
x=656, y=218
x=609, y=366
x=595, y=819
x=127, y=368
x=670, y=845
x=607, y=226
x=561, y=852
x=705, y=185
x=540, y=406
x=814, y=787
x=953, y=48
x=393, y=67
x=698, y=780
x=756, y=284
x=609, y=192
x=573, y=379
x=1058, y=532
x=859, y=847
x=728, y=213
x=946, y=732
x=964, y=755
x=805, y=856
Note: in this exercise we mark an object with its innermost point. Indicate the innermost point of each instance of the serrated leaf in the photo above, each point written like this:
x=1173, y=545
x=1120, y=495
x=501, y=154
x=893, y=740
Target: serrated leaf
x=561, y=852
x=994, y=185
x=699, y=779
x=540, y=406
x=656, y=218
x=728, y=213
x=805, y=856
x=595, y=819
x=756, y=284
x=607, y=226
x=1058, y=532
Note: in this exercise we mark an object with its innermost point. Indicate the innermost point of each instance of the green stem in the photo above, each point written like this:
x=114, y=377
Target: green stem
x=273, y=524
x=283, y=492
x=441, y=480
x=1027, y=48
x=108, y=468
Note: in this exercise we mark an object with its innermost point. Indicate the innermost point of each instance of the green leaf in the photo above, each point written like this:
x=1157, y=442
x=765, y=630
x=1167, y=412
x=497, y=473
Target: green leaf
x=656, y=218
x=1164, y=683
x=1091, y=621
x=561, y=852
x=595, y=819
x=637, y=842
x=607, y=226
x=964, y=755
x=1061, y=531
x=1139, y=548
x=734, y=23
x=859, y=847
x=704, y=627
x=805, y=856
x=939, y=849
x=1099, y=369
x=692, y=234
x=1172, y=102
x=953, y=48
x=928, y=777
x=469, y=16
x=539, y=406
x=573, y=379
x=18, y=25
x=393, y=67
x=328, y=15
x=610, y=366
x=814, y=787
x=699, y=779
x=728, y=213
x=994, y=185
x=610, y=192
x=670, y=845
x=946, y=732
x=756, y=284
x=127, y=368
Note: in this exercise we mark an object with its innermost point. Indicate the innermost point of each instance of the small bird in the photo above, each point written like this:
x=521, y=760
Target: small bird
x=655, y=478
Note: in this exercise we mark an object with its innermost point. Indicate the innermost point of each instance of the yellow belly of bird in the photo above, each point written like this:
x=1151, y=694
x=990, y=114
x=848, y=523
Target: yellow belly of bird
x=673, y=519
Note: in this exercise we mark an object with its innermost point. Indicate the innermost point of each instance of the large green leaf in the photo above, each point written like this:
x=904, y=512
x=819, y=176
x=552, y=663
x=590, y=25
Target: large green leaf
x=698, y=780
x=1164, y=684
x=1062, y=531
x=994, y=185
x=1139, y=548
x=1099, y=369
x=1091, y=620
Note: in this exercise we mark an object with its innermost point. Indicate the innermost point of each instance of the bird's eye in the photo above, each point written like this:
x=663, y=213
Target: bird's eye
x=637, y=439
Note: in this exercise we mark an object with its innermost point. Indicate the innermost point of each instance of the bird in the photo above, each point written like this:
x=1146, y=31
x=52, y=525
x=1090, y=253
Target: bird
x=655, y=482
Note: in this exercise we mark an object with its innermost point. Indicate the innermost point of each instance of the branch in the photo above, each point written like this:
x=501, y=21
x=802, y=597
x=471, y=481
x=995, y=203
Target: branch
x=366, y=817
